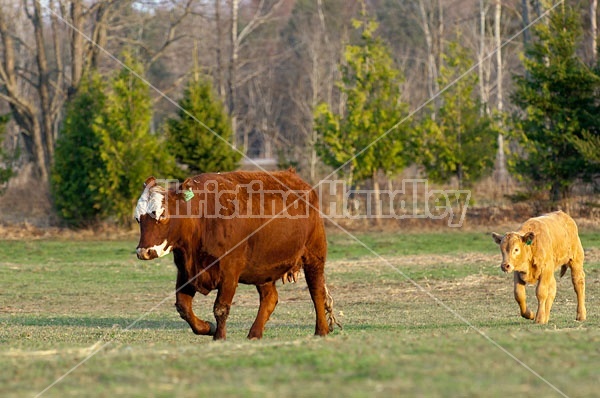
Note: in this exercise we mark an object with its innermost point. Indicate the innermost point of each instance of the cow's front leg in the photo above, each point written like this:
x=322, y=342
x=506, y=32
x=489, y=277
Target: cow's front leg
x=223, y=305
x=183, y=304
x=521, y=297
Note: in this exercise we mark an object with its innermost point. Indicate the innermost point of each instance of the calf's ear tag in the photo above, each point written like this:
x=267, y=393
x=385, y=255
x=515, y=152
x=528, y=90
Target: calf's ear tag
x=188, y=195
x=529, y=242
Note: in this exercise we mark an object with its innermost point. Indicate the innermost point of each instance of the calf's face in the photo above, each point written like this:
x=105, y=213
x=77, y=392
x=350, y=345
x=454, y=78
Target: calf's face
x=515, y=250
x=153, y=218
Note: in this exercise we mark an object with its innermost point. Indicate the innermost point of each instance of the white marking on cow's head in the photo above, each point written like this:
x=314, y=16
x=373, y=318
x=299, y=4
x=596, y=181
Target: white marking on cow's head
x=152, y=215
x=151, y=202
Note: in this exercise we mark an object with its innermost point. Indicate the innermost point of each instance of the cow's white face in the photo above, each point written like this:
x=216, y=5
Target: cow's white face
x=153, y=218
x=516, y=251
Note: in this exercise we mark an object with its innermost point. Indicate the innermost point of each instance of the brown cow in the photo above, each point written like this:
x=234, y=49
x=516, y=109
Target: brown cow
x=248, y=227
x=540, y=247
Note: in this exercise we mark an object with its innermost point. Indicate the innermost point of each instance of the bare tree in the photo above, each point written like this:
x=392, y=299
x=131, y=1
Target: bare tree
x=263, y=12
x=219, y=47
x=58, y=42
x=482, y=50
x=501, y=172
x=35, y=81
x=432, y=65
x=594, y=29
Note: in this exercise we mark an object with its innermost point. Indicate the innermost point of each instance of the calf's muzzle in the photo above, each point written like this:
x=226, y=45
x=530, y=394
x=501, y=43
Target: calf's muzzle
x=506, y=267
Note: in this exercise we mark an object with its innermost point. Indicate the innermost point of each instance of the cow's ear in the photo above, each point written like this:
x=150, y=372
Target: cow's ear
x=528, y=238
x=150, y=182
x=497, y=237
x=185, y=191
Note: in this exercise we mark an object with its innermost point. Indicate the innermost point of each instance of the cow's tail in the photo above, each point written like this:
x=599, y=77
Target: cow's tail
x=563, y=270
x=331, y=319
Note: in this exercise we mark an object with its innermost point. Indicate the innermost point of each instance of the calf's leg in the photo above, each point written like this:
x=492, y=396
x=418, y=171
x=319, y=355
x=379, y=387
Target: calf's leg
x=521, y=297
x=550, y=298
x=268, y=301
x=542, y=293
x=578, y=279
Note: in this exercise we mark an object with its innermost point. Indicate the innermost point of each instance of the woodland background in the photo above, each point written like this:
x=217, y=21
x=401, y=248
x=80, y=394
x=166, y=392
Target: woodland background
x=280, y=80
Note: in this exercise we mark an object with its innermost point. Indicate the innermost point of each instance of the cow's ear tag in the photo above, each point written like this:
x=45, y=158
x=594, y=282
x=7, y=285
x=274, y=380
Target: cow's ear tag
x=188, y=195
x=529, y=242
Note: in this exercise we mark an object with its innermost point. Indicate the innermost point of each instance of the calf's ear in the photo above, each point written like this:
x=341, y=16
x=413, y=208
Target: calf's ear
x=528, y=238
x=497, y=237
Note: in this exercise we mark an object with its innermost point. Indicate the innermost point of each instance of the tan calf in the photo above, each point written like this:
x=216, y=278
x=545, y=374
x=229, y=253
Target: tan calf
x=535, y=252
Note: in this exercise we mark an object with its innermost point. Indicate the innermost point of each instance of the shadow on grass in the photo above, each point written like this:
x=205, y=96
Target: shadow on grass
x=99, y=322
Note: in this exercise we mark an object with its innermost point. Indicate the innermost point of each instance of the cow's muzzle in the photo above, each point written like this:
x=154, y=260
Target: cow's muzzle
x=506, y=267
x=149, y=253
x=145, y=254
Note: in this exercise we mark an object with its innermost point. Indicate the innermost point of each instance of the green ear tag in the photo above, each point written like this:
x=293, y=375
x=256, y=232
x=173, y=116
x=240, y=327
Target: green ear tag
x=529, y=242
x=188, y=195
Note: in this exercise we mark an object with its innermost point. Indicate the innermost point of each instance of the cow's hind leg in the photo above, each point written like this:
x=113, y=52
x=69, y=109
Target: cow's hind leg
x=521, y=297
x=315, y=279
x=578, y=279
x=268, y=301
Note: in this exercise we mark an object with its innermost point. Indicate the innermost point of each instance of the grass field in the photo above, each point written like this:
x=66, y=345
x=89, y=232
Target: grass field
x=454, y=331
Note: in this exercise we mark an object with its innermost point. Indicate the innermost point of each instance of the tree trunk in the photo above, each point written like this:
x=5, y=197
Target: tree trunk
x=76, y=46
x=502, y=173
x=377, y=198
x=594, y=30
x=219, y=33
x=432, y=75
x=525, y=13
x=482, y=91
x=43, y=88
x=232, y=81
x=555, y=195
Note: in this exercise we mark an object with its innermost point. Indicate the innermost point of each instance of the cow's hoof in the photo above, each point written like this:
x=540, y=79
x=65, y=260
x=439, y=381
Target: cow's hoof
x=213, y=329
x=528, y=315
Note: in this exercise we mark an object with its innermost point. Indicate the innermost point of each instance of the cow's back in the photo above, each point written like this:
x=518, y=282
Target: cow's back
x=555, y=233
x=280, y=239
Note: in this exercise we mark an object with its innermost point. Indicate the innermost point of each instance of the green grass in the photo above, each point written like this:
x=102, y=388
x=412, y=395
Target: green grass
x=62, y=300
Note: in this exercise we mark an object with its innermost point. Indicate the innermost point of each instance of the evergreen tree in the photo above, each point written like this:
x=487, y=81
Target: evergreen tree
x=194, y=145
x=371, y=84
x=6, y=160
x=558, y=97
x=461, y=141
x=129, y=151
x=78, y=165
x=589, y=147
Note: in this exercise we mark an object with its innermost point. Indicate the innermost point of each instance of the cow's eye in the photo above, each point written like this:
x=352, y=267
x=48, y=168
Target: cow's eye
x=516, y=249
